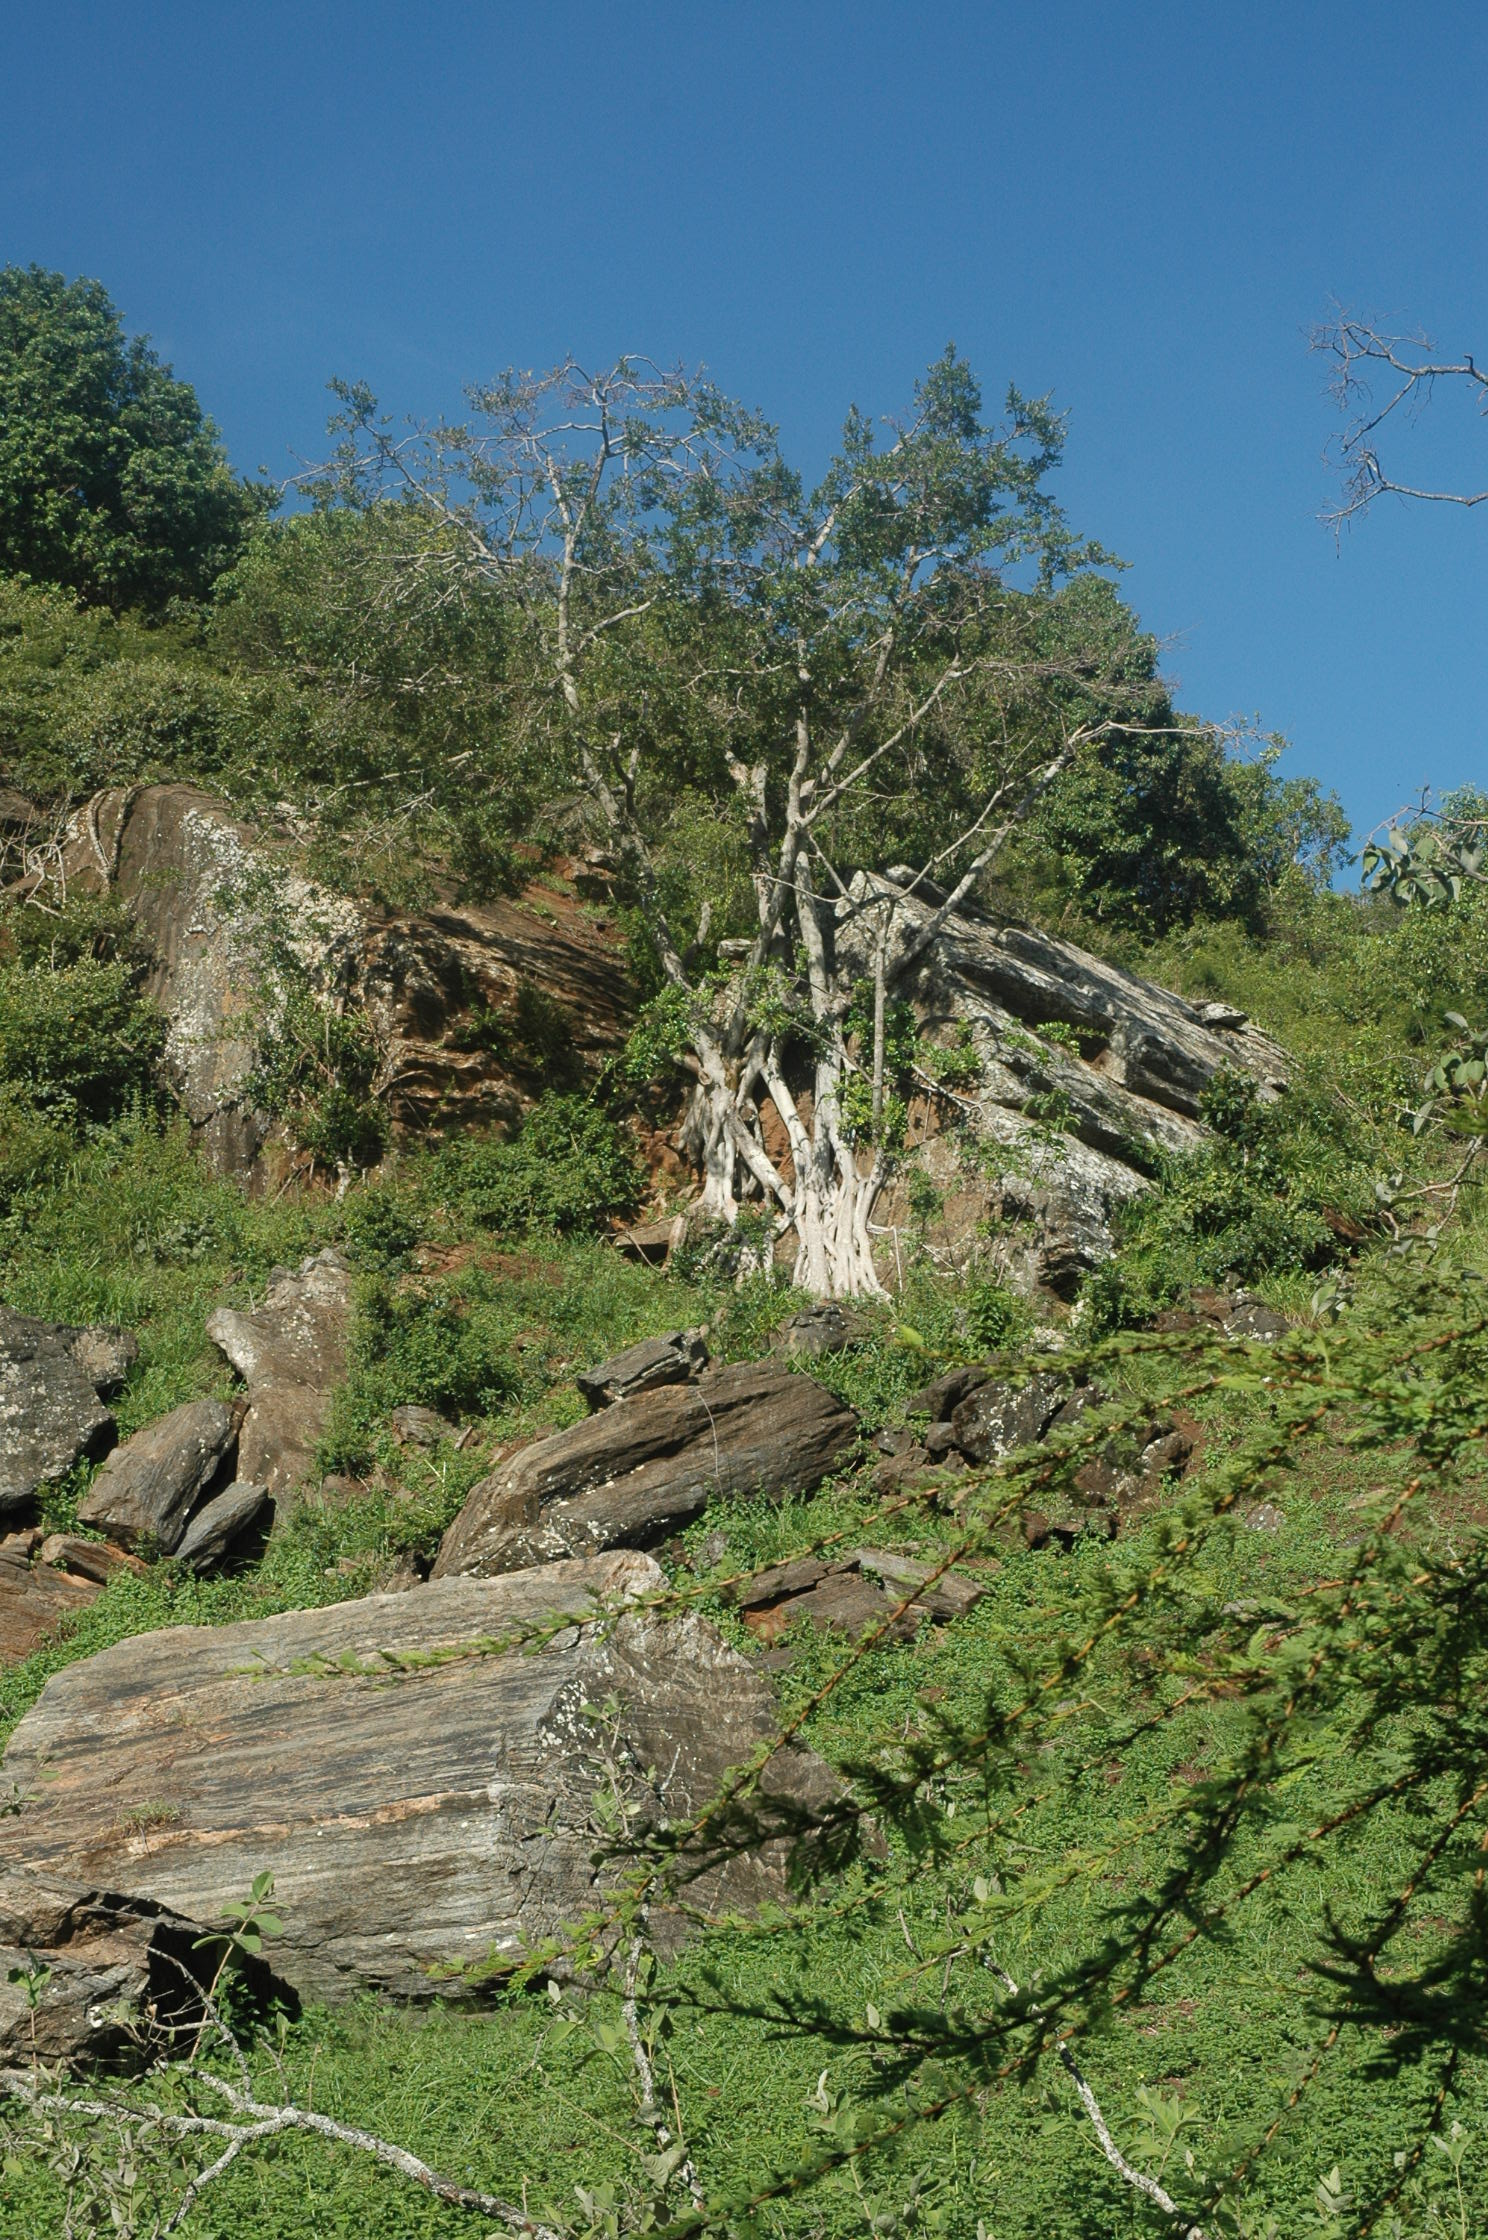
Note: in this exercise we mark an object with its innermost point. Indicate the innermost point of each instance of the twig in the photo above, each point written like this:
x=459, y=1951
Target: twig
x=258, y=2120
x=1138, y=2179
x=650, y=2113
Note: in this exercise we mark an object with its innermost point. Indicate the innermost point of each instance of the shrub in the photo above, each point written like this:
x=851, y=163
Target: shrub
x=381, y=1229
x=422, y=1345
x=76, y=1042
x=1277, y=1191
x=569, y=1167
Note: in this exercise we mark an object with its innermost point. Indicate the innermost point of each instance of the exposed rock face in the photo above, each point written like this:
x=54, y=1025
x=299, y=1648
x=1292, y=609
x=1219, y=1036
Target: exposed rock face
x=633, y=1473
x=678, y=1358
x=412, y=1820
x=291, y=1354
x=33, y=1597
x=110, y=1960
x=52, y=1377
x=147, y=1487
x=1077, y=1117
x=213, y=899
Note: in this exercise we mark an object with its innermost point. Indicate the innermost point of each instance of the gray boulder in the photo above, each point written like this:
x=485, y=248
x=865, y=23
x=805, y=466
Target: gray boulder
x=632, y=1474
x=996, y=1419
x=218, y=1523
x=677, y=1358
x=51, y=1414
x=420, y=1808
x=291, y=1353
x=149, y=1485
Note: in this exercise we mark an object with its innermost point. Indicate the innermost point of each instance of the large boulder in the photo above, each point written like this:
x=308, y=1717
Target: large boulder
x=290, y=1351
x=53, y=1379
x=1090, y=1075
x=424, y=1795
x=472, y=1004
x=635, y=1472
x=148, y=1486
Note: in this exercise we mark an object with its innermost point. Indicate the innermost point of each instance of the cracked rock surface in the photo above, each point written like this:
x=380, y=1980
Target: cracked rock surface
x=414, y=1819
x=642, y=1468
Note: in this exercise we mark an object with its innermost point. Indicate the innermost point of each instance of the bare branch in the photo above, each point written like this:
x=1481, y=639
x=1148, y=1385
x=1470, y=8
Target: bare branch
x=1413, y=369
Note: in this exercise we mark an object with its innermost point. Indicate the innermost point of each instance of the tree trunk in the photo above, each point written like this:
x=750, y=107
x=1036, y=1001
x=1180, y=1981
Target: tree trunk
x=829, y=1200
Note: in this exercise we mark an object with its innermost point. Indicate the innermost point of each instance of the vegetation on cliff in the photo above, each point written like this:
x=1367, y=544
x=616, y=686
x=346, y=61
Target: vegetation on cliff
x=1153, y=1900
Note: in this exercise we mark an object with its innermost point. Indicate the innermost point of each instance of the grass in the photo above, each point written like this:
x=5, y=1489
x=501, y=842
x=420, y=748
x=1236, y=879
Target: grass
x=517, y=2092
x=509, y=2095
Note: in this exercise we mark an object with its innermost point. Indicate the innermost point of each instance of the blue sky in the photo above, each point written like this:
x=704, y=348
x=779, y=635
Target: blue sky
x=1141, y=208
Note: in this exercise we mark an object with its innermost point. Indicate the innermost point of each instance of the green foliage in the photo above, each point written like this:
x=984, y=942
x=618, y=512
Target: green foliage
x=568, y=1167
x=997, y=1319
x=317, y=1071
x=381, y=1228
x=1152, y=830
x=661, y=1035
x=79, y=1046
x=1279, y=1191
x=89, y=699
x=344, y=620
x=424, y=1344
x=112, y=483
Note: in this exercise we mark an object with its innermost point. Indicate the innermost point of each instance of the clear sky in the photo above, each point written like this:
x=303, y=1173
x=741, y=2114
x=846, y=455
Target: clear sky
x=1141, y=208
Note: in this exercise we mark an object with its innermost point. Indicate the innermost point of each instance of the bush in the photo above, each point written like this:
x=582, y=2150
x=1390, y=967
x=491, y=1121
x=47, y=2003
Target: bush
x=381, y=1229
x=1279, y=1191
x=76, y=1042
x=422, y=1345
x=569, y=1167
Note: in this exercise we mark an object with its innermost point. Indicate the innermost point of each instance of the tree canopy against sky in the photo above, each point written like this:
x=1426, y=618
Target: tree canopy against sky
x=112, y=480
x=843, y=700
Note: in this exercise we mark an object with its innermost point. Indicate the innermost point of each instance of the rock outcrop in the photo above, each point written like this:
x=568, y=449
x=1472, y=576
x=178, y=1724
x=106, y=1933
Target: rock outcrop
x=637, y=1471
x=678, y=1358
x=290, y=1351
x=1089, y=1074
x=470, y=1003
x=148, y=1487
x=420, y=1808
x=54, y=1379
x=108, y=1972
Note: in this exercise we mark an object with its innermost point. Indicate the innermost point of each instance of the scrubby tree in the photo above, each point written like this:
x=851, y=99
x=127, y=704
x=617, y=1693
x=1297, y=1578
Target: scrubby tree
x=863, y=687
x=113, y=483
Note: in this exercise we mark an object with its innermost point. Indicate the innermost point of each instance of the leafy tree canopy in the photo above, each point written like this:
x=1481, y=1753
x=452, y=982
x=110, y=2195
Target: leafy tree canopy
x=113, y=483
